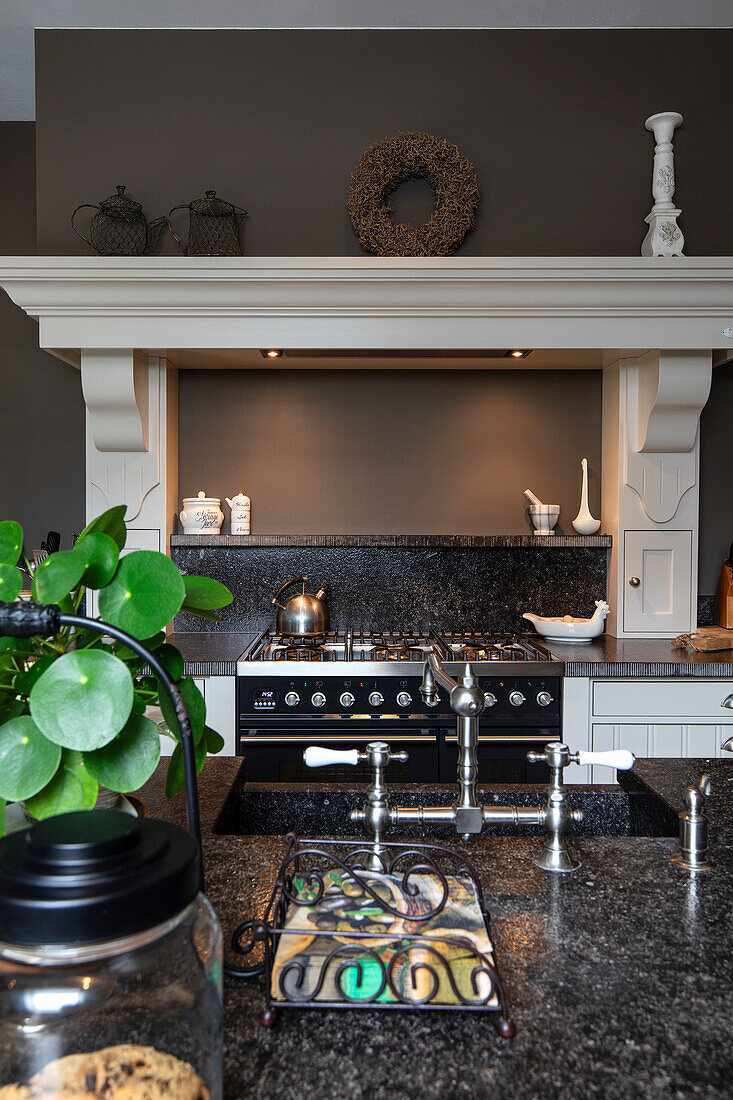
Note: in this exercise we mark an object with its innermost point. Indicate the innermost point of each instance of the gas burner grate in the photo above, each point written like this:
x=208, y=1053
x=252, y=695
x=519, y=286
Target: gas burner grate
x=394, y=646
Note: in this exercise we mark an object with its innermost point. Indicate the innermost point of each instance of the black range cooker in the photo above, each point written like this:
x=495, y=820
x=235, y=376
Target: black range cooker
x=349, y=687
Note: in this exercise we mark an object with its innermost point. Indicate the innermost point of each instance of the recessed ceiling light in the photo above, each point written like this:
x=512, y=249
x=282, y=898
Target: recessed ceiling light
x=518, y=353
x=272, y=353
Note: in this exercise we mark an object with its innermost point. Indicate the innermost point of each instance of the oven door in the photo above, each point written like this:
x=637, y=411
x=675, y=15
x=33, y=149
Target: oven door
x=502, y=757
x=276, y=756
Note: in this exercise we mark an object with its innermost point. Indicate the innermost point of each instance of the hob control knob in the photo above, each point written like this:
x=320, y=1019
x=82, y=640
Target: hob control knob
x=490, y=699
x=347, y=699
x=318, y=699
x=376, y=699
x=544, y=698
x=516, y=698
x=292, y=699
x=404, y=698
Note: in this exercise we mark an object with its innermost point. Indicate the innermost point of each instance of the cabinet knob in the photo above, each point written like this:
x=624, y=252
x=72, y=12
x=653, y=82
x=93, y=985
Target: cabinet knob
x=634, y=582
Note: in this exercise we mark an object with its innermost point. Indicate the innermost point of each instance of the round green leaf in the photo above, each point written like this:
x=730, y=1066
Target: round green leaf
x=205, y=594
x=145, y=594
x=112, y=523
x=171, y=660
x=55, y=577
x=101, y=555
x=83, y=700
x=72, y=788
x=195, y=706
x=128, y=761
x=11, y=582
x=11, y=541
x=28, y=760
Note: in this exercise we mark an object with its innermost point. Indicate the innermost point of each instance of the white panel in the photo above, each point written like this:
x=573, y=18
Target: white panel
x=141, y=540
x=576, y=724
x=662, y=562
x=666, y=741
x=705, y=741
x=650, y=699
x=221, y=711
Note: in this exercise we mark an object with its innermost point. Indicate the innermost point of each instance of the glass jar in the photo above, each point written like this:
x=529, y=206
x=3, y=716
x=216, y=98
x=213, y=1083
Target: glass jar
x=105, y=940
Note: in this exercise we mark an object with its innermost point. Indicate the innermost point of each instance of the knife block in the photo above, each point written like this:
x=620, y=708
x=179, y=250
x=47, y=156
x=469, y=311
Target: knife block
x=723, y=602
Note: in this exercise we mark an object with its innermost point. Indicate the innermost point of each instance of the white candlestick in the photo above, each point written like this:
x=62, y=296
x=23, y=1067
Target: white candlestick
x=664, y=237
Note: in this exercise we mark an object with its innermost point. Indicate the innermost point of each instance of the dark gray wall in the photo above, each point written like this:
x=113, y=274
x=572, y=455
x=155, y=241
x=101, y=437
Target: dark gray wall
x=411, y=452
x=277, y=120
x=716, y=478
x=42, y=436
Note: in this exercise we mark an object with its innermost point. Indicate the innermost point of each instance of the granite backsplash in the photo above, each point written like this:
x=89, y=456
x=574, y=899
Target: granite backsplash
x=404, y=587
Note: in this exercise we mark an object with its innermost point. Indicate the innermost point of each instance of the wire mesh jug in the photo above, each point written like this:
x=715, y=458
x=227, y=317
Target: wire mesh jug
x=119, y=228
x=213, y=227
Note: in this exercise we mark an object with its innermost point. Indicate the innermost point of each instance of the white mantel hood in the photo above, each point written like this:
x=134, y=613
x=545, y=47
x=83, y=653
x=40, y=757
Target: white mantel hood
x=455, y=302
x=655, y=321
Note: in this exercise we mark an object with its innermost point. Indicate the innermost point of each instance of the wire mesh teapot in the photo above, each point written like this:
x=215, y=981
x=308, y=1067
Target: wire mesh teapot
x=119, y=227
x=213, y=227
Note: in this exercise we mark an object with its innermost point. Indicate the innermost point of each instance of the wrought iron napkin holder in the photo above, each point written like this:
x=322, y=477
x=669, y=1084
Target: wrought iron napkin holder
x=313, y=859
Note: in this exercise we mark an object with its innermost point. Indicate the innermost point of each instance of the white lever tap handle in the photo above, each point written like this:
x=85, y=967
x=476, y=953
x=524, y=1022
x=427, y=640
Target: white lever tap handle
x=621, y=759
x=316, y=757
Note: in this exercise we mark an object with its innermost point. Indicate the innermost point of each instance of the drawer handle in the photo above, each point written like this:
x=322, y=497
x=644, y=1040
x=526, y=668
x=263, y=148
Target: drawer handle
x=728, y=702
x=634, y=582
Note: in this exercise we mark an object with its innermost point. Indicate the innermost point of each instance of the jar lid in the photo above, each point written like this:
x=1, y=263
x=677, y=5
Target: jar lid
x=92, y=876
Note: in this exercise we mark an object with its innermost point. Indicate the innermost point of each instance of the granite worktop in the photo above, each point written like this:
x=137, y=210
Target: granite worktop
x=618, y=976
x=215, y=654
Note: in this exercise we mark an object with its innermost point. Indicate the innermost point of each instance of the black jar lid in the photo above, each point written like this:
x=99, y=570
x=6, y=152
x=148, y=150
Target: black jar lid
x=93, y=876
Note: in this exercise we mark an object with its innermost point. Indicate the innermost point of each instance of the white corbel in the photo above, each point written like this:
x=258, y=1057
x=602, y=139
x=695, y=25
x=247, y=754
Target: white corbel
x=115, y=387
x=667, y=392
x=673, y=387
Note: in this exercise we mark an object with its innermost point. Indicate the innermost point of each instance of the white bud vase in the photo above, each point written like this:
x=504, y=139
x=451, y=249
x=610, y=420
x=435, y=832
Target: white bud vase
x=584, y=523
x=665, y=236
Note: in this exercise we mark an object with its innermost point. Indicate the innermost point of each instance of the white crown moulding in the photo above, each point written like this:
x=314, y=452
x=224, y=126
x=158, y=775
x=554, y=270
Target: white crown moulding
x=159, y=303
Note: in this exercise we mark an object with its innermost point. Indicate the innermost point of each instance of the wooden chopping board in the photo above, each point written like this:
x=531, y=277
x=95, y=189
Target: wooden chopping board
x=706, y=639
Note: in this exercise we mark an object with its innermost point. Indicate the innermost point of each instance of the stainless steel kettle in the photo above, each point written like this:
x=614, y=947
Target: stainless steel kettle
x=304, y=615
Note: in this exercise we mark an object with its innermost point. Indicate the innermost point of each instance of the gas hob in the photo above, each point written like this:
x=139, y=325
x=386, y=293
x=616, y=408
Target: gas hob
x=387, y=647
x=371, y=675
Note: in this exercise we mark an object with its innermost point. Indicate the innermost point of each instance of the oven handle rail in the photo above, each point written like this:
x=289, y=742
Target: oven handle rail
x=466, y=813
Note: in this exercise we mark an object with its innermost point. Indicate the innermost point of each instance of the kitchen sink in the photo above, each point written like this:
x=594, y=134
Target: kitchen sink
x=255, y=809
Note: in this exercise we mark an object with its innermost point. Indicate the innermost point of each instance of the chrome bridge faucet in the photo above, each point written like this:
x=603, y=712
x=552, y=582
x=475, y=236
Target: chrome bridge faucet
x=466, y=814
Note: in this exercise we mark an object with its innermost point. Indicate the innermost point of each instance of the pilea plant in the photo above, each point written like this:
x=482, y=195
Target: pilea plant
x=73, y=707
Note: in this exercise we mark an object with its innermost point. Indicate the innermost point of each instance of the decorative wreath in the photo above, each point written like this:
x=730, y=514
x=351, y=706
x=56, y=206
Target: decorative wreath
x=410, y=156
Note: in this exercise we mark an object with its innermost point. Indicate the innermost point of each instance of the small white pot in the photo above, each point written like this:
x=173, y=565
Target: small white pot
x=201, y=515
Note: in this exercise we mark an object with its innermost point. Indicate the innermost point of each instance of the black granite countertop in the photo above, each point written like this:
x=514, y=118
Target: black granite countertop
x=210, y=654
x=639, y=657
x=618, y=976
x=557, y=540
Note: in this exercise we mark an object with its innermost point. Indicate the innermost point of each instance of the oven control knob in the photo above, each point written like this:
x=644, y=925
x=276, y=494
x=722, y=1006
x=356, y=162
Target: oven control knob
x=347, y=699
x=490, y=699
x=376, y=699
x=292, y=699
x=516, y=698
x=404, y=698
x=318, y=699
x=544, y=698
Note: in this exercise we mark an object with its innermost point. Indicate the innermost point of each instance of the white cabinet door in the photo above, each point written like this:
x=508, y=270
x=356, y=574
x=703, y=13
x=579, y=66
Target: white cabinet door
x=661, y=563
x=656, y=740
x=219, y=693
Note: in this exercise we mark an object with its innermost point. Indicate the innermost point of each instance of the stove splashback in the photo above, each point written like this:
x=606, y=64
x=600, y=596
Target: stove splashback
x=406, y=587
